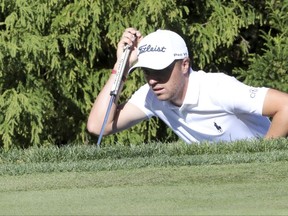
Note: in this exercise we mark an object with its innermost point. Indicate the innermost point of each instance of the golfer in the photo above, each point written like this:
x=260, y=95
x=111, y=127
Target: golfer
x=196, y=105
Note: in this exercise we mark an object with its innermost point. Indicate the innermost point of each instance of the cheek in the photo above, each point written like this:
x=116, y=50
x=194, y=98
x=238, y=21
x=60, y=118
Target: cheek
x=176, y=86
x=176, y=80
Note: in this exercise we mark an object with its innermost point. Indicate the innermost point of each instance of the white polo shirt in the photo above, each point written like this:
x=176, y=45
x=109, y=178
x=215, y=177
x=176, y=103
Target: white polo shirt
x=216, y=107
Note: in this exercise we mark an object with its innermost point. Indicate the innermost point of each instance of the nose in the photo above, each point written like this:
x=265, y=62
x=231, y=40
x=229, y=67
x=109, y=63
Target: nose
x=151, y=81
x=151, y=78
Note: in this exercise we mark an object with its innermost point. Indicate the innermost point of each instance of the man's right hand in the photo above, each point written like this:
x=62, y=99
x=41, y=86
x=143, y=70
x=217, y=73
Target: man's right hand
x=132, y=37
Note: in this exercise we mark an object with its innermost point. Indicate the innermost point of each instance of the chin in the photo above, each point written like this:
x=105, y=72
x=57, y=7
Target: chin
x=162, y=97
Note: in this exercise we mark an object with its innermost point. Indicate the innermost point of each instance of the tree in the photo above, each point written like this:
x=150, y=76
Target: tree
x=56, y=56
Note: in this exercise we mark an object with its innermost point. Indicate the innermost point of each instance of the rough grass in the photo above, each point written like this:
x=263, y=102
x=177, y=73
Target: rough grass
x=90, y=158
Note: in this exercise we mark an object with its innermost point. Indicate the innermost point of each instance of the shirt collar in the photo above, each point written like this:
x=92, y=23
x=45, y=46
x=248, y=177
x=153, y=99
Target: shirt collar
x=192, y=93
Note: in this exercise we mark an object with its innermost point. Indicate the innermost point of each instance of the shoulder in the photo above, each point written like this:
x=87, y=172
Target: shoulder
x=143, y=94
x=216, y=77
x=143, y=99
x=211, y=80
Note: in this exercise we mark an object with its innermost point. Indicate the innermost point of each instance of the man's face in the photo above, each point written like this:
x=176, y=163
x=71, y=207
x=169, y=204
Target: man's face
x=168, y=84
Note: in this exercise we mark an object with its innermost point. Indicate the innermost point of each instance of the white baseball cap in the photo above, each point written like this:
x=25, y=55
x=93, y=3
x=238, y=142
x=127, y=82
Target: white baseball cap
x=159, y=49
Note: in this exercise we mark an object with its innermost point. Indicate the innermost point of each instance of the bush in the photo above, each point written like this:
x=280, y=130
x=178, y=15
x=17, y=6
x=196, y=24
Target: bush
x=56, y=56
x=268, y=67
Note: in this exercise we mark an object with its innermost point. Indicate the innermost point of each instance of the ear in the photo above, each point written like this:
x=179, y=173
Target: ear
x=186, y=65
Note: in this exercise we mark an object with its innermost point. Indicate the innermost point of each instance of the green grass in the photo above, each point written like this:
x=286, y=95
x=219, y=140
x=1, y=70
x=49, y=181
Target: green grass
x=89, y=158
x=241, y=178
x=254, y=188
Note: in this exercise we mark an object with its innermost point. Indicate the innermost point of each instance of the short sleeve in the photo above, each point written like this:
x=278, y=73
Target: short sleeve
x=143, y=98
x=238, y=97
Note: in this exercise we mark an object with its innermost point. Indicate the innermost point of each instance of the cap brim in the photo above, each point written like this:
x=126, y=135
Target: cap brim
x=151, y=64
x=133, y=68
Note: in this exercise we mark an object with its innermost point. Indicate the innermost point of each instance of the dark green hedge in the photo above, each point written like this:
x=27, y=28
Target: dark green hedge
x=55, y=56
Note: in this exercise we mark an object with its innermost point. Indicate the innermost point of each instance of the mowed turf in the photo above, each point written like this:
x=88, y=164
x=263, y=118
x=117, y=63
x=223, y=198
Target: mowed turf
x=231, y=189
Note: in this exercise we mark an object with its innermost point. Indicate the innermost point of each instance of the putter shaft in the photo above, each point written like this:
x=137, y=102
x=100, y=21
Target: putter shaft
x=115, y=89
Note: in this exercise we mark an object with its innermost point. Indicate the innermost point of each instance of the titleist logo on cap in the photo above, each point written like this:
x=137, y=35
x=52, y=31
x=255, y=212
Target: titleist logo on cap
x=148, y=48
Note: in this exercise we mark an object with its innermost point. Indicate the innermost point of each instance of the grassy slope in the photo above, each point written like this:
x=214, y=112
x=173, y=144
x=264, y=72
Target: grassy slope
x=238, y=178
x=254, y=188
x=90, y=158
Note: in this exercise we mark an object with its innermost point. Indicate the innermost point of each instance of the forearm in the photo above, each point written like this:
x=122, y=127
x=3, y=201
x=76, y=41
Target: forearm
x=279, y=125
x=96, y=117
x=100, y=106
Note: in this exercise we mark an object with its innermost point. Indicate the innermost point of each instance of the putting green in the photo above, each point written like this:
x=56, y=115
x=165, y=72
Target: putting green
x=252, y=189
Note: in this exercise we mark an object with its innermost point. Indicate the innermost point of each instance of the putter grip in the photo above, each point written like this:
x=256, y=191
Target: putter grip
x=120, y=71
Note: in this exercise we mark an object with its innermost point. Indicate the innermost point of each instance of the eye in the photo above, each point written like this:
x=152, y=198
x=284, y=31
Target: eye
x=147, y=72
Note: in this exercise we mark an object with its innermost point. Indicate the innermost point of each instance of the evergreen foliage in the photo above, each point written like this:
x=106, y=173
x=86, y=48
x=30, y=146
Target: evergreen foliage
x=268, y=67
x=55, y=56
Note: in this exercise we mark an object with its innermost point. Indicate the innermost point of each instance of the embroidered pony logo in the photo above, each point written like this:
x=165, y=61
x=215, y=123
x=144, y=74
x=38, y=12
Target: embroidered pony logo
x=218, y=127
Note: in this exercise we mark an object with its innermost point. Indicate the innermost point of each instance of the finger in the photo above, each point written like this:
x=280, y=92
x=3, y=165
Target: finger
x=131, y=34
x=131, y=30
x=138, y=34
x=125, y=39
x=128, y=38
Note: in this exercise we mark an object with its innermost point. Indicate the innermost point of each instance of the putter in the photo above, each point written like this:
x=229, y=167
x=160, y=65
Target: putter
x=115, y=88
